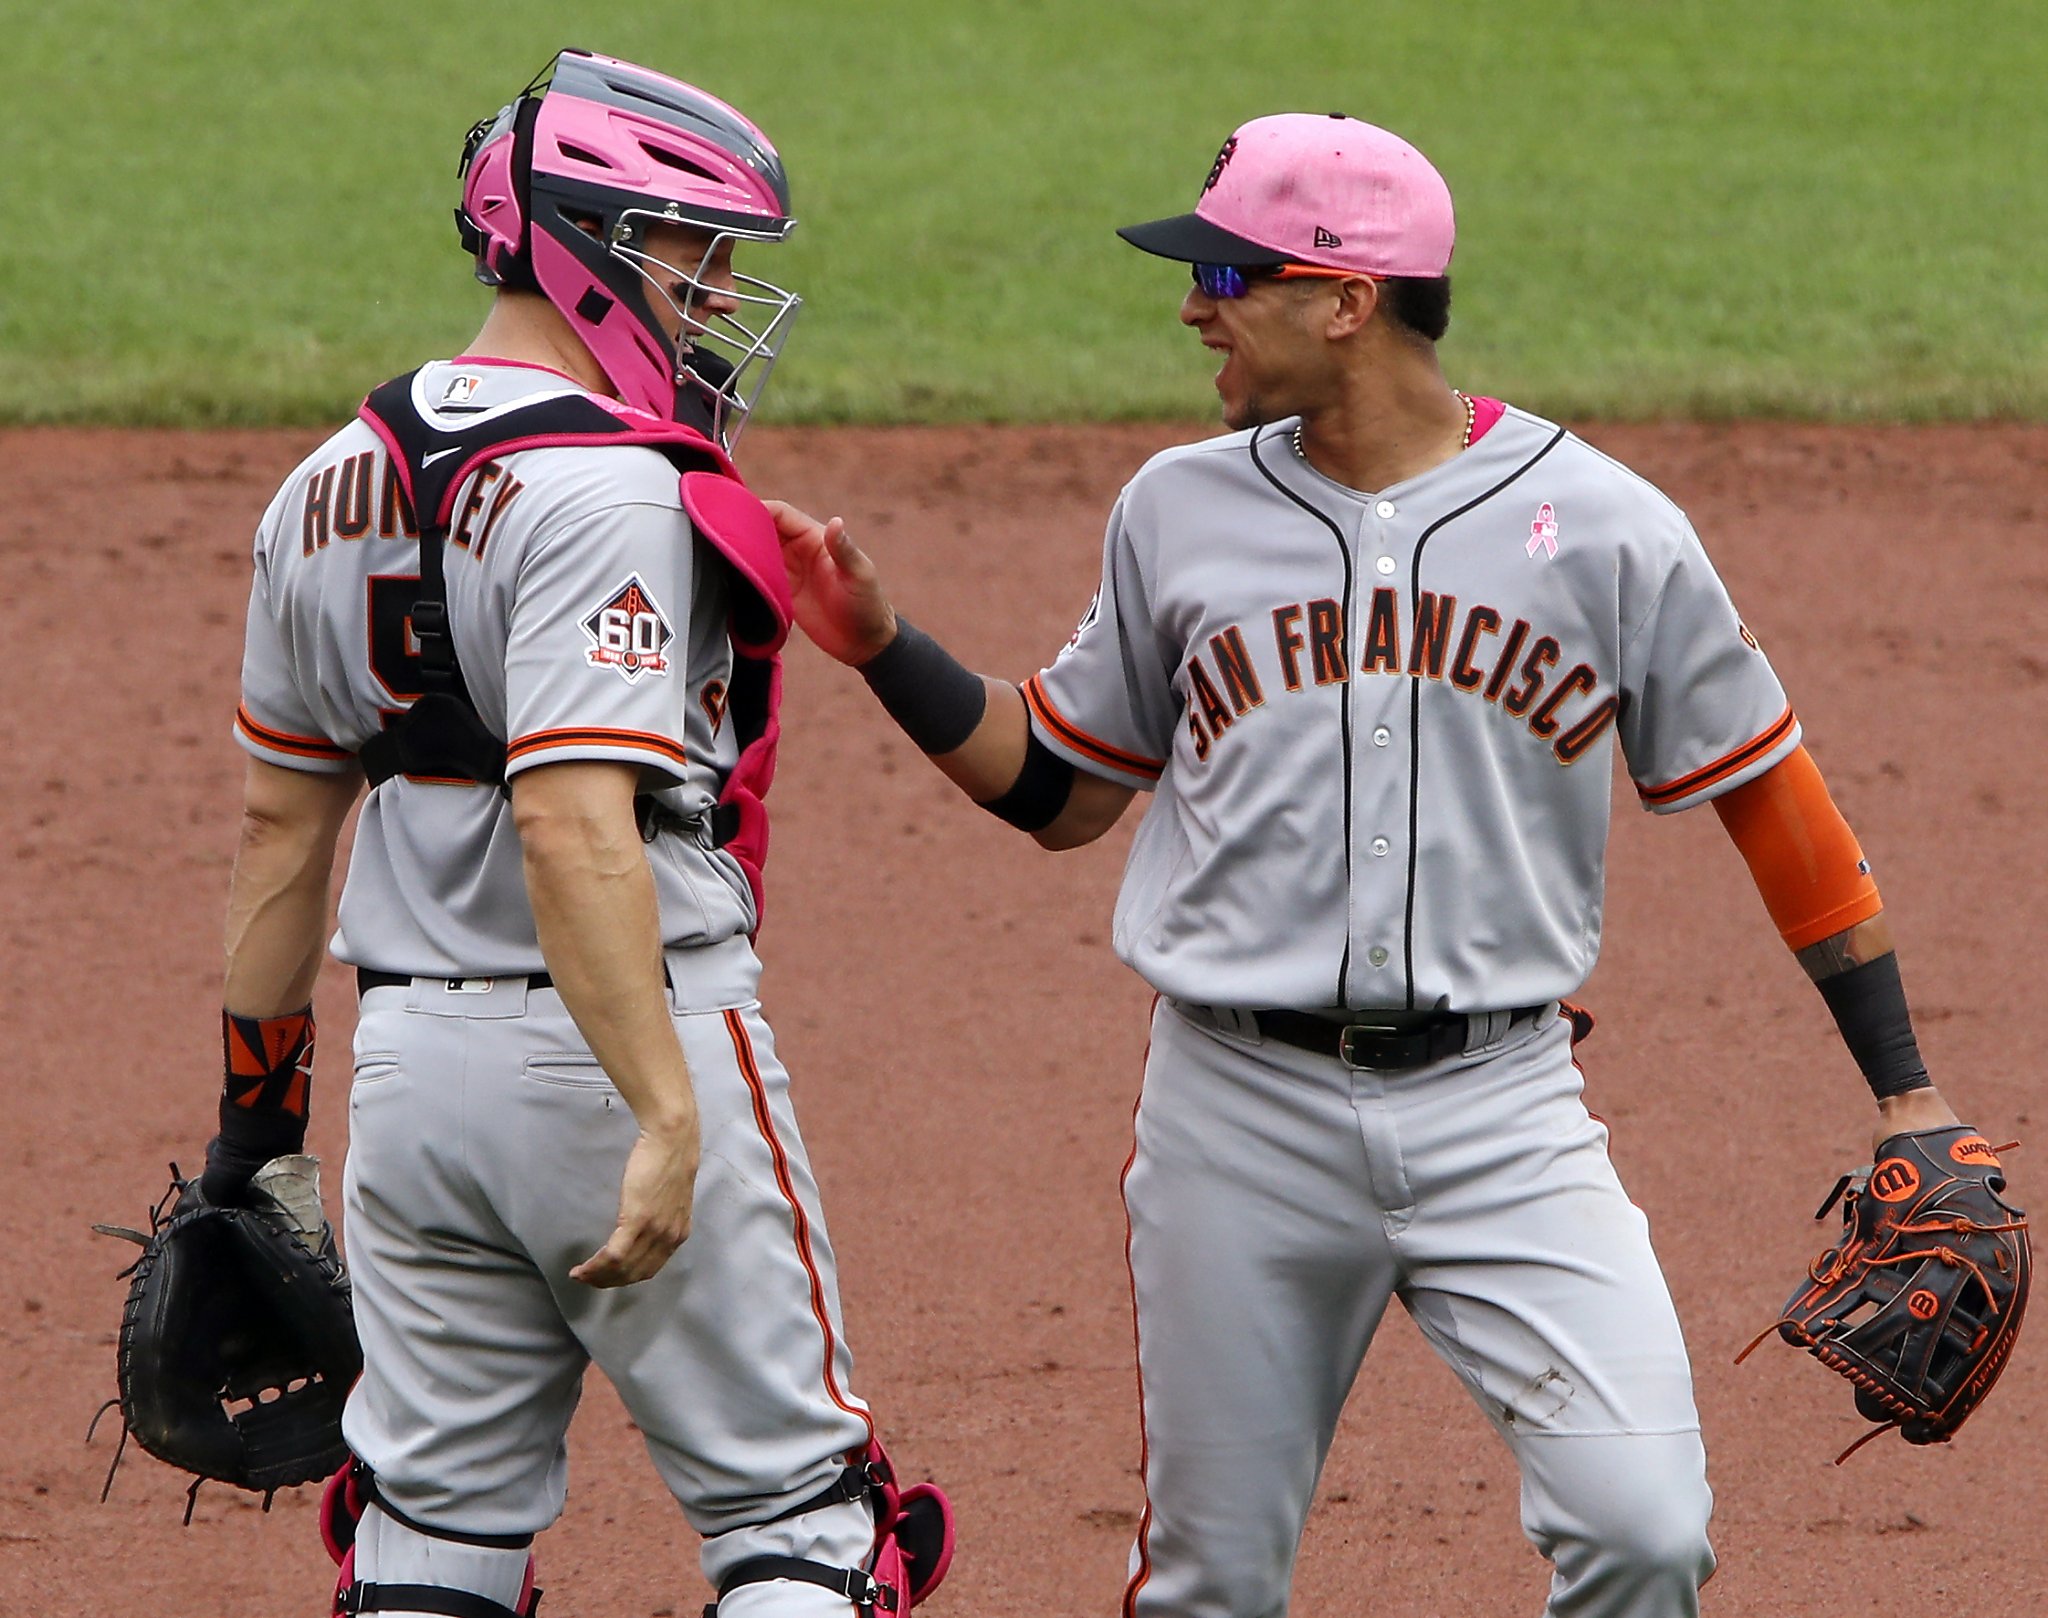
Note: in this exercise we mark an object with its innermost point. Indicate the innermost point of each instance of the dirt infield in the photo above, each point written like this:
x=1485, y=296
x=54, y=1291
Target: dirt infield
x=966, y=1049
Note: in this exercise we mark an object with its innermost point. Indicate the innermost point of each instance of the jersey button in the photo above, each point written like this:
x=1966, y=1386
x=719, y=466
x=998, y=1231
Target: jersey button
x=1380, y=846
x=1384, y=509
x=1376, y=955
x=1382, y=736
x=1385, y=564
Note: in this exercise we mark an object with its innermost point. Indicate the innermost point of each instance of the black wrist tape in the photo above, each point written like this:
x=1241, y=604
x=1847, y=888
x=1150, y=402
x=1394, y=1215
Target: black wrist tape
x=936, y=699
x=1869, y=1006
x=268, y=1083
x=1040, y=791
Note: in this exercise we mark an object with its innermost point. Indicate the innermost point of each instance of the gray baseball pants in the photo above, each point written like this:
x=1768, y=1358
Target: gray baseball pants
x=1278, y=1199
x=486, y=1147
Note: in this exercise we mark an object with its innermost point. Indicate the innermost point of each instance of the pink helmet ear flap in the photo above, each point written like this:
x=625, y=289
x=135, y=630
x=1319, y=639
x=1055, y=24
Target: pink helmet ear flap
x=515, y=269
x=494, y=219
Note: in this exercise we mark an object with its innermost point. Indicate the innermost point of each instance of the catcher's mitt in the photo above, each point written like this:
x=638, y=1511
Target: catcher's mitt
x=238, y=1341
x=1920, y=1301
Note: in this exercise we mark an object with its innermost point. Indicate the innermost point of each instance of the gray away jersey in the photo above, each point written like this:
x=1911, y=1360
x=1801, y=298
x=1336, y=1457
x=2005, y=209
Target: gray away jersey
x=1380, y=725
x=590, y=622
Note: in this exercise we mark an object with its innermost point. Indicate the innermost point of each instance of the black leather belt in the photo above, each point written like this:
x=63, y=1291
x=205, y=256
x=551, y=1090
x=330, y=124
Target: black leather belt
x=366, y=980
x=1384, y=1040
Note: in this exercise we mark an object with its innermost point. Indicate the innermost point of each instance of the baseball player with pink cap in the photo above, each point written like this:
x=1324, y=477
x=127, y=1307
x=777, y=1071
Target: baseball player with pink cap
x=1371, y=652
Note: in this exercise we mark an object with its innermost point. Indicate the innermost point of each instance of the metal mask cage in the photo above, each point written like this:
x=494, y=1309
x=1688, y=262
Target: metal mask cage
x=724, y=356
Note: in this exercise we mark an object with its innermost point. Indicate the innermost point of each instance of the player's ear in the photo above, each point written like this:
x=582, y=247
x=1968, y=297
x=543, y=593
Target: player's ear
x=1358, y=298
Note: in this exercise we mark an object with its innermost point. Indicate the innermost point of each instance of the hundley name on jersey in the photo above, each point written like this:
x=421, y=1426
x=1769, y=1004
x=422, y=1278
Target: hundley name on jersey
x=1309, y=642
x=339, y=502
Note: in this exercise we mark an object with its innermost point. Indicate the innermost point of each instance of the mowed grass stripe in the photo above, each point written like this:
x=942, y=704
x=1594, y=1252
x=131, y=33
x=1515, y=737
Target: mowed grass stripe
x=222, y=214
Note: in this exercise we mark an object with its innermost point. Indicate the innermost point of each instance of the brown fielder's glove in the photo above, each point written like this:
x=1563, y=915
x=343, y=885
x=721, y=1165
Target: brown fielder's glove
x=1920, y=1301
x=238, y=1341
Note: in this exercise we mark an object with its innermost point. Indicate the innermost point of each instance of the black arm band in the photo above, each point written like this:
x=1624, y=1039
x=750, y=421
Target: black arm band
x=1869, y=1006
x=925, y=689
x=1040, y=791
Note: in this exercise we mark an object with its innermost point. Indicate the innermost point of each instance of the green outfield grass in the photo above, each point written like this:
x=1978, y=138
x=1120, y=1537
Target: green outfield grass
x=216, y=213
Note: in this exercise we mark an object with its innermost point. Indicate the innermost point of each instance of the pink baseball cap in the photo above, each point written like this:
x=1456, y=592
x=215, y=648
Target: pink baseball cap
x=1313, y=188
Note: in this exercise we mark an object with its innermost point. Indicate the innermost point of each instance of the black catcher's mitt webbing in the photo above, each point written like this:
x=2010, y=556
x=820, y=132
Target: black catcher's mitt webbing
x=1920, y=1302
x=238, y=1342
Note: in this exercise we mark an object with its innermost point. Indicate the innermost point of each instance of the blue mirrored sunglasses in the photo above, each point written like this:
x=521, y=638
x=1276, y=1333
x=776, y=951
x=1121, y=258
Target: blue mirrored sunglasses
x=1235, y=280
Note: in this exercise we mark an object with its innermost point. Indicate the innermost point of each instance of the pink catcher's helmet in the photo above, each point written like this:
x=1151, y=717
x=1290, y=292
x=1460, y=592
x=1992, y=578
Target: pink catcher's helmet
x=559, y=191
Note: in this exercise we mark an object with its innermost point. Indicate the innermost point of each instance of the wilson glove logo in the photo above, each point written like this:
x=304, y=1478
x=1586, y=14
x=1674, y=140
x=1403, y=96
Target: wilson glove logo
x=1894, y=1180
x=628, y=633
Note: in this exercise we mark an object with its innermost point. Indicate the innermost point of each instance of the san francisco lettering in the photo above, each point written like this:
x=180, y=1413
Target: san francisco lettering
x=1512, y=665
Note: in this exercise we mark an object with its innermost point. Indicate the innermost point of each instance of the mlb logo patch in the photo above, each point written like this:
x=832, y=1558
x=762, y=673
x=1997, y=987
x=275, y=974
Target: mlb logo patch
x=461, y=389
x=1094, y=611
x=628, y=633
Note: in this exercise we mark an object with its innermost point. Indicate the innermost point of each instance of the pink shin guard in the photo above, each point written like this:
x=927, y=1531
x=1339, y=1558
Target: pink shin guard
x=913, y=1533
x=344, y=1499
x=913, y=1543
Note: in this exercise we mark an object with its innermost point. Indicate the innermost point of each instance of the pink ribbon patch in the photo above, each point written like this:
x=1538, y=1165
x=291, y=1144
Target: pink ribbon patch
x=1543, y=531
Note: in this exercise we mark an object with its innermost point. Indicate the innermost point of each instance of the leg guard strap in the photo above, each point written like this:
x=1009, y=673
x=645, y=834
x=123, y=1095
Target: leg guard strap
x=862, y=1589
x=353, y=1490
x=430, y=1598
x=853, y=1483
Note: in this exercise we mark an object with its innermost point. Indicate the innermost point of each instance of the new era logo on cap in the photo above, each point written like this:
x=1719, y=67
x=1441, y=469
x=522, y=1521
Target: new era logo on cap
x=1325, y=239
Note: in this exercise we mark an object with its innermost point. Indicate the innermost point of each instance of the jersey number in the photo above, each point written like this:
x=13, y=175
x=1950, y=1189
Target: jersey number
x=630, y=634
x=394, y=653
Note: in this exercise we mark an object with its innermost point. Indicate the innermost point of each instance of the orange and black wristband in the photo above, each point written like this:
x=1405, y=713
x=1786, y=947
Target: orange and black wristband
x=1868, y=1003
x=265, y=1093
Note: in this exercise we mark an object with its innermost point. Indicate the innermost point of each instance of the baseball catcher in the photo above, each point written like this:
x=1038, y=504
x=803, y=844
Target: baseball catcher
x=237, y=1343
x=1920, y=1302
x=571, y=1142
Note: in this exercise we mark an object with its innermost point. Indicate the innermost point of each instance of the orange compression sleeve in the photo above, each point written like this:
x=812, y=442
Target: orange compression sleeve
x=1801, y=853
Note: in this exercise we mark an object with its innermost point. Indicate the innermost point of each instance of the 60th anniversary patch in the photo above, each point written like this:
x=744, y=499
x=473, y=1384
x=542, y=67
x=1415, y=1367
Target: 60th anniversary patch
x=629, y=633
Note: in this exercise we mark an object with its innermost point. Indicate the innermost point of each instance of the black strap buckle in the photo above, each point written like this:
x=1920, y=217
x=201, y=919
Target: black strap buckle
x=857, y=1585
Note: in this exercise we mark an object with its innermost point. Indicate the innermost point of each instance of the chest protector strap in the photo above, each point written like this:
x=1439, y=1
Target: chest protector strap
x=440, y=737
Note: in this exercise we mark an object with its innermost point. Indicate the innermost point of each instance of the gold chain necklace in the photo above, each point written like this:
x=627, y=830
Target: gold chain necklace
x=1464, y=443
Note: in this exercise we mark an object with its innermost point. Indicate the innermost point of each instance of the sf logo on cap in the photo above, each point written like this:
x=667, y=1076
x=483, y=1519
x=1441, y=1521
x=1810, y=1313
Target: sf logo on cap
x=1222, y=162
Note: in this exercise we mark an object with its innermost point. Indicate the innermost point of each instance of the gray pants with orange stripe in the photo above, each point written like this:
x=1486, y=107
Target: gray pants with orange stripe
x=1279, y=1200
x=486, y=1147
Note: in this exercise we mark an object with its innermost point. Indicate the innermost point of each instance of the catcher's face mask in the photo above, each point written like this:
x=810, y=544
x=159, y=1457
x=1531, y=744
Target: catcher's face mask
x=725, y=330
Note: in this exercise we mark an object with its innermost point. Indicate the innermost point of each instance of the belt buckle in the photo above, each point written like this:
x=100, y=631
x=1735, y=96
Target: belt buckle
x=1347, y=1051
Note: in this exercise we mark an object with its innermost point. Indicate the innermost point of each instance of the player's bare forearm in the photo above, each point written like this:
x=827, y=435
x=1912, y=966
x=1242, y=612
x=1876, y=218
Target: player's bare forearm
x=1814, y=880
x=1852, y=946
x=594, y=910
x=1871, y=940
x=598, y=921
x=988, y=763
x=277, y=899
